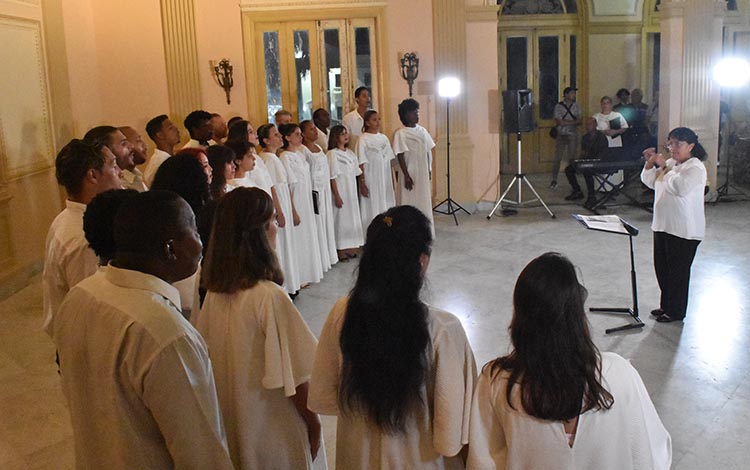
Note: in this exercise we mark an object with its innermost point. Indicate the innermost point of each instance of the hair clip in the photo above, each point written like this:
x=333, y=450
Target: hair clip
x=388, y=221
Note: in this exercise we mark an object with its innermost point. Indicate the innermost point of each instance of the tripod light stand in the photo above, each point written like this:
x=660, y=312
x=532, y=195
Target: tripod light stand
x=730, y=73
x=523, y=99
x=449, y=88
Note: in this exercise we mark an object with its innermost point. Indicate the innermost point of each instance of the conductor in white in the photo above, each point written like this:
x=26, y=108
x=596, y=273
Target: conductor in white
x=135, y=373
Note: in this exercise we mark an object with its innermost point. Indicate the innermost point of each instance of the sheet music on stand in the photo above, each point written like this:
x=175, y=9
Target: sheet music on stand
x=616, y=225
x=606, y=223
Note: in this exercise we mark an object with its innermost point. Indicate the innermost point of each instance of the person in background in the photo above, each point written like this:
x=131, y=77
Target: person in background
x=397, y=373
x=126, y=351
x=679, y=222
x=198, y=125
x=593, y=147
x=84, y=171
x=413, y=146
x=346, y=216
x=567, y=115
x=261, y=349
x=320, y=172
x=375, y=156
x=113, y=138
x=355, y=120
x=139, y=157
x=555, y=401
x=282, y=117
x=322, y=120
x=220, y=129
x=613, y=125
x=165, y=135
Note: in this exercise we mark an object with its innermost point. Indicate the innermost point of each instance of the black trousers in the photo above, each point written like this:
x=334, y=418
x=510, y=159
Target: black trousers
x=570, y=173
x=673, y=257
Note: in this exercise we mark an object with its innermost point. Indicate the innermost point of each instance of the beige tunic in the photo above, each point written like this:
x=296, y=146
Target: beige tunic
x=440, y=429
x=628, y=436
x=261, y=350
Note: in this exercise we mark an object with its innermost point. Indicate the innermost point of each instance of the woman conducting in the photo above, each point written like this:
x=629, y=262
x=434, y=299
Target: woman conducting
x=555, y=401
x=398, y=374
x=679, y=222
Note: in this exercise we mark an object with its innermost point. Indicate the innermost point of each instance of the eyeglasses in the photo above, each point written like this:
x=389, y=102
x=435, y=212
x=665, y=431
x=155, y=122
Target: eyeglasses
x=673, y=145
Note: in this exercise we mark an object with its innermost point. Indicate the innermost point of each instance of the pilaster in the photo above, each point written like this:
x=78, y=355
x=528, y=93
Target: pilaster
x=181, y=55
x=449, y=32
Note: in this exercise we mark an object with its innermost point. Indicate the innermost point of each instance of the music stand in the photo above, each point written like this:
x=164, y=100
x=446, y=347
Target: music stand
x=449, y=88
x=520, y=176
x=614, y=224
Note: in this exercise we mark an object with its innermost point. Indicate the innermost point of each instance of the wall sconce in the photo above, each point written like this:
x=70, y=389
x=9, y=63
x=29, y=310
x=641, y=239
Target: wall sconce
x=410, y=69
x=223, y=74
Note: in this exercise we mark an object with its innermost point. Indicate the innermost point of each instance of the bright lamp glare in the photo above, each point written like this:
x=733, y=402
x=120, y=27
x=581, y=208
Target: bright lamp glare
x=732, y=72
x=449, y=87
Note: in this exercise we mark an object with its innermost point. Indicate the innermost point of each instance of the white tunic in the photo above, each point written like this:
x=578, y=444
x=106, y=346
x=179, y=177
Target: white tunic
x=354, y=123
x=440, y=429
x=678, y=198
x=322, y=140
x=628, y=436
x=137, y=377
x=347, y=219
x=375, y=153
x=321, y=182
x=68, y=261
x=416, y=145
x=286, y=250
x=261, y=350
x=134, y=180
x=157, y=158
x=306, y=233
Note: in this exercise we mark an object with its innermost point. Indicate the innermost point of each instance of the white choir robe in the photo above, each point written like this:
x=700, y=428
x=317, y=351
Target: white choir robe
x=322, y=140
x=376, y=155
x=347, y=219
x=286, y=249
x=321, y=182
x=628, y=436
x=261, y=351
x=416, y=144
x=354, y=122
x=306, y=233
x=436, y=432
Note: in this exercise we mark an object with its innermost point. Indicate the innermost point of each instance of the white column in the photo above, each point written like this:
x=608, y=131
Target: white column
x=449, y=32
x=691, y=39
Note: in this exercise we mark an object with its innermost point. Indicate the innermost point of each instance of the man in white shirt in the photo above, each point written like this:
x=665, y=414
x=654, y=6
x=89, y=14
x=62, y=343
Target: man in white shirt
x=139, y=154
x=198, y=125
x=136, y=374
x=355, y=121
x=84, y=171
x=165, y=135
x=322, y=120
x=113, y=138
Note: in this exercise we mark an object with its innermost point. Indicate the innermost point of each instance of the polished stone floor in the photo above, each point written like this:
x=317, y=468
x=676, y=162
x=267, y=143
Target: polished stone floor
x=698, y=373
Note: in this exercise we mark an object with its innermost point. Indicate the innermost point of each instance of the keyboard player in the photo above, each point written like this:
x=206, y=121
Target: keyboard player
x=594, y=146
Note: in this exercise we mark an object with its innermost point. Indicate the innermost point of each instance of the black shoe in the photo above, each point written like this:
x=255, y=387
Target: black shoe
x=665, y=318
x=553, y=184
x=590, y=203
x=574, y=196
x=657, y=312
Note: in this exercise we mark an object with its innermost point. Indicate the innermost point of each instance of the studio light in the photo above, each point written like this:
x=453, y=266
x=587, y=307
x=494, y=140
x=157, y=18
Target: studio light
x=449, y=87
x=732, y=72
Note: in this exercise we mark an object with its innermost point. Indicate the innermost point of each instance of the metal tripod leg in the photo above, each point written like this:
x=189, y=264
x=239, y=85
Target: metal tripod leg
x=531, y=187
x=500, y=199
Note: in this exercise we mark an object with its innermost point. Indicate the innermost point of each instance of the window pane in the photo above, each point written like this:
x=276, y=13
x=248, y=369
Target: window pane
x=363, y=57
x=516, y=63
x=531, y=7
x=573, y=62
x=333, y=75
x=303, y=73
x=273, y=72
x=548, y=75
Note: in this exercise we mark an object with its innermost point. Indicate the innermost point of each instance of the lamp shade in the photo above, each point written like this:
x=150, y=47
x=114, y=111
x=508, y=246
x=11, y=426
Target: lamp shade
x=449, y=87
x=732, y=72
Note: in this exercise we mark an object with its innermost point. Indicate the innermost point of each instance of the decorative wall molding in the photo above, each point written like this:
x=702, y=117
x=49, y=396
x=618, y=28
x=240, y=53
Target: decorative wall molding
x=26, y=140
x=181, y=56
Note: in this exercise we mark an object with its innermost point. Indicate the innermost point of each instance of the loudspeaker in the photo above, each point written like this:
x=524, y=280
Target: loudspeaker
x=517, y=105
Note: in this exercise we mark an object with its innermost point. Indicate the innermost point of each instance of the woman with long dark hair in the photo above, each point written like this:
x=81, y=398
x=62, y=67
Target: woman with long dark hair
x=260, y=347
x=555, y=401
x=679, y=222
x=398, y=374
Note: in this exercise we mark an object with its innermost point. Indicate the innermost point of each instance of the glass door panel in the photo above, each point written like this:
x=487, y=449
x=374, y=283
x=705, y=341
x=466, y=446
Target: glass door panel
x=303, y=80
x=516, y=52
x=362, y=41
x=333, y=38
x=303, y=75
x=549, y=75
x=272, y=68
